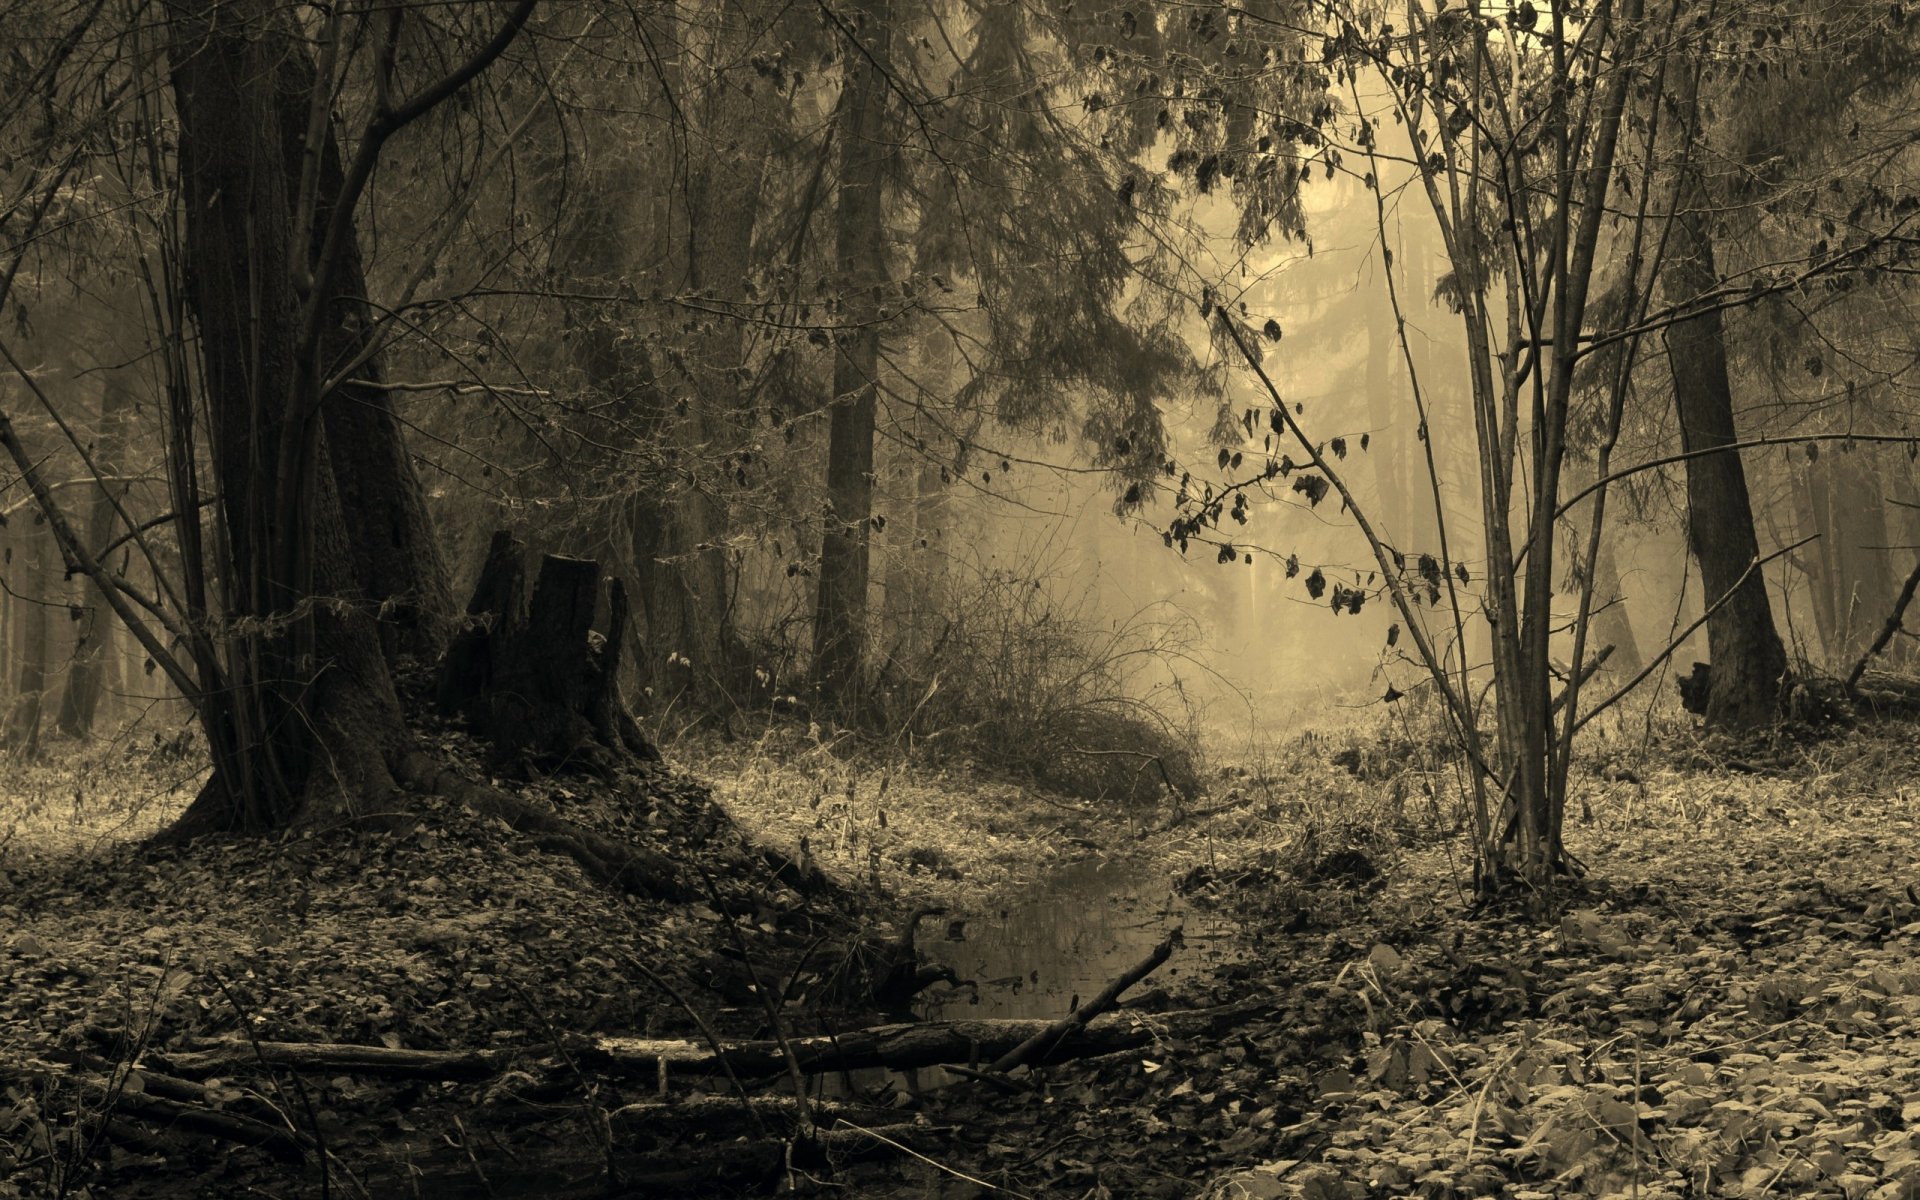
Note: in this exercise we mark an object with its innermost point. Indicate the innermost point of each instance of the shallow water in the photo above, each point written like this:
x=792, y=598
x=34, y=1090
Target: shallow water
x=1068, y=935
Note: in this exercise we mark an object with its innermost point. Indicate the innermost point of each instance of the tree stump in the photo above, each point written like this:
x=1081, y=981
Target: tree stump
x=539, y=679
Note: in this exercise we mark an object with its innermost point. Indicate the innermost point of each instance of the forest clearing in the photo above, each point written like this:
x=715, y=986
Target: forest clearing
x=1303, y=599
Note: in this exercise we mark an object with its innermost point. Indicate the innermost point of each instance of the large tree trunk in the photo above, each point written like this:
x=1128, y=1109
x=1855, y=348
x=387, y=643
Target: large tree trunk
x=308, y=714
x=395, y=561
x=307, y=722
x=1749, y=661
x=839, y=636
x=86, y=676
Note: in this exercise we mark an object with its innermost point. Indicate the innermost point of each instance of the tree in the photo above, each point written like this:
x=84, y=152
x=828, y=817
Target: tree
x=1512, y=126
x=86, y=674
x=284, y=636
x=839, y=630
x=1063, y=312
x=307, y=716
x=1749, y=661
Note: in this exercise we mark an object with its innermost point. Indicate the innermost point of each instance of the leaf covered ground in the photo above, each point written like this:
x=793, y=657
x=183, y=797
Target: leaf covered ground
x=1727, y=1006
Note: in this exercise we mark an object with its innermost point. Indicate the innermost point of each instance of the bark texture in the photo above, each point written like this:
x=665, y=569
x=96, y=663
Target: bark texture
x=307, y=711
x=396, y=563
x=539, y=678
x=1852, y=580
x=34, y=584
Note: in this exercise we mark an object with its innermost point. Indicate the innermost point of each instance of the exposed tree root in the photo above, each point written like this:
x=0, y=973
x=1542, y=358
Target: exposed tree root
x=631, y=868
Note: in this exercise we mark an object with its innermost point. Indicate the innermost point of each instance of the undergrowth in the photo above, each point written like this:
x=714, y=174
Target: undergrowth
x=1017, y=673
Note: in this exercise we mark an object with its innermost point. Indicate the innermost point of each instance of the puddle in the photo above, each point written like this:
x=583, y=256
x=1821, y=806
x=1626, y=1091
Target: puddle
x=1073, y=932
x=1059, y=944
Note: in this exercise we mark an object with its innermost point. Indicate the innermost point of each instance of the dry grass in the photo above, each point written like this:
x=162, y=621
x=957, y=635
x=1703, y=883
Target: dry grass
x=929, y=830
x=78, y=798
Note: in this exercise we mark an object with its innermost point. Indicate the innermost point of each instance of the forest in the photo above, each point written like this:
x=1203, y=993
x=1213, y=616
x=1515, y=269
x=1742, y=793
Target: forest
x=1083, y=599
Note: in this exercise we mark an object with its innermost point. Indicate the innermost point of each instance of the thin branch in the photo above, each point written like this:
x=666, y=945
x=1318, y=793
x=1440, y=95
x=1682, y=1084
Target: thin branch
x=1886, y=631
x=1566, y=506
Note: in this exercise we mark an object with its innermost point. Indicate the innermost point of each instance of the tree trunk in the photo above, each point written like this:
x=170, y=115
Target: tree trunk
x=919, y=556
x=86, y=676
x=1612, y=625
x=308, y=714
x=1749, y=662
x=396, y=564
x=685, y=407
x=31, y=581
x=839, y=636
x=1854, y=586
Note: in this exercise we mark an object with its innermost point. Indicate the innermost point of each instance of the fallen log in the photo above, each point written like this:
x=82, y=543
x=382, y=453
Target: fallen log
x=896, y=1046
x=178, y=1117
x=715, y=1116
x=227, y=1056
x=905, y=1046
x=1040, y=1043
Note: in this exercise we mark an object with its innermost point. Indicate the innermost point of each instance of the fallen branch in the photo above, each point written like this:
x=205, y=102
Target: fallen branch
x=1075, y=1022
x=1887, y=630
x=1586, y=672
x=179, y=1117
x=1179, y=818
x=730, y=1116
x=114, y=1092
x=226, y=1057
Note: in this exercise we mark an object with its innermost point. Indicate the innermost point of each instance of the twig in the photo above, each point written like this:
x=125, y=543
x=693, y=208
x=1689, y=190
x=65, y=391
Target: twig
x=466, y=1145
x=803, y=1113
x=299, y=1086
x=1001, y=1082
x=940, y=1166
x=587, y=1090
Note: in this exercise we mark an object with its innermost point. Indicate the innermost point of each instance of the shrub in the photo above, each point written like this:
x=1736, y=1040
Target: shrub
x=1018, y=679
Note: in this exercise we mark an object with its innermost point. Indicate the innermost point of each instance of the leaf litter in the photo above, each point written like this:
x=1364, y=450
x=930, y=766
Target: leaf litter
x=1729, y=1006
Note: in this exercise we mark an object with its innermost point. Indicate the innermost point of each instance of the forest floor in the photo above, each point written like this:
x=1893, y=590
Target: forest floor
x=1726, y=1005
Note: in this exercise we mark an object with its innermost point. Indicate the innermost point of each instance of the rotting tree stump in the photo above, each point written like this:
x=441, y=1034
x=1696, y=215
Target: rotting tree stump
x=539, y=678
